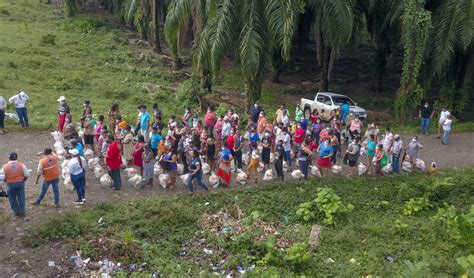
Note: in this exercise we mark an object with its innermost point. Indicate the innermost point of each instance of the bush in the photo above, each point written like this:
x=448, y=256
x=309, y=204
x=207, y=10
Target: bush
x=83, y=25
x=48, y=39
x=455, y=99
x=189, y=93
x=4, y=11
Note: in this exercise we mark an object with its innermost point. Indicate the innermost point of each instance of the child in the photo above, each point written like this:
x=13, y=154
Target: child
x=155, y=140
x=211, y=153
x=98, y=128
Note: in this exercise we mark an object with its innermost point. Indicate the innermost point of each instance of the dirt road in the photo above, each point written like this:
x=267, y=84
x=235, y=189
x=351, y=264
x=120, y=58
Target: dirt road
x=15, y=258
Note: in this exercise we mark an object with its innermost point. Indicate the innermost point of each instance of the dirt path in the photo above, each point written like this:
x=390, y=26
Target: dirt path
x=15, y=258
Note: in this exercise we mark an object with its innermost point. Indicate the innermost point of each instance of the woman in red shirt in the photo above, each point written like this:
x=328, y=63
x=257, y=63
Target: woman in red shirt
x=137, y=153
x=113, y=161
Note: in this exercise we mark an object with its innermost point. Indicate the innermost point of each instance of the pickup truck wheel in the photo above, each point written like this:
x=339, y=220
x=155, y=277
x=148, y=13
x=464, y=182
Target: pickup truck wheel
x=307, y=113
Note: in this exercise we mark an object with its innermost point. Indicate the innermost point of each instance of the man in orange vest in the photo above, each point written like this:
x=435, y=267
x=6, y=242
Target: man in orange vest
x=48, y=167
x=15, y=174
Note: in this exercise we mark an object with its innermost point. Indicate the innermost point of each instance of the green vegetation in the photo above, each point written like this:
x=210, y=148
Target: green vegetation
x=80, y=58
x=261, y=227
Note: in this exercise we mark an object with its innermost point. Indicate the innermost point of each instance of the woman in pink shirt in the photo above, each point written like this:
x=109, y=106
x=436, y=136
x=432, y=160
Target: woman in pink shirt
x=210, y=119
x=218, y=127
x=356, y=127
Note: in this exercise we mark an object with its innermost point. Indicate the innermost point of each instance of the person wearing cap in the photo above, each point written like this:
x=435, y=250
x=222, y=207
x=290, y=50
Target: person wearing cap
x=86, y=111
x=412, y=150
x=3, y=107
x=76, y=170
x=63, y=113
x=20, y=100
x=48, y=167
x=426, y=113
x=397, y=148
x=15, y=173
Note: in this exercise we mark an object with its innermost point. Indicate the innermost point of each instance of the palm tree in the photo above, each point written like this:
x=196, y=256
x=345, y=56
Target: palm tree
x=335, y=25
x=383, y=23
x=139, y=13
x=452, y=41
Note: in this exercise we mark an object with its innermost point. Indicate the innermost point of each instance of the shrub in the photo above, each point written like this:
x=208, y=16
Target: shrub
x=454, y=98
x=458, y=225
x=327, y=203
x=4, y=11
x=48, y=39
x=189, y=93
x=415, y=205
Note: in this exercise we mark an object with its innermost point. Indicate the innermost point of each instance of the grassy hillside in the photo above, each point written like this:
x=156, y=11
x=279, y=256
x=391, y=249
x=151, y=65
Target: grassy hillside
x=416, y=226
x=82, y=58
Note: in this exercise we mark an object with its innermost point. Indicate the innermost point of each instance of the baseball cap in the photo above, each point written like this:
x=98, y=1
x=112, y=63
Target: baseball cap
x=13, y=156
x=74, y=152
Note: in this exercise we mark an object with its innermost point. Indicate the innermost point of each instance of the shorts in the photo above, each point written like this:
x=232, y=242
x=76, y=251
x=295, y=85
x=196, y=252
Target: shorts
x=89, y=139
x=266, y=155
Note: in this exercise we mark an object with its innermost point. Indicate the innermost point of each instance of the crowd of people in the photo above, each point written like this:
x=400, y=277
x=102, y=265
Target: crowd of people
x=309, y=145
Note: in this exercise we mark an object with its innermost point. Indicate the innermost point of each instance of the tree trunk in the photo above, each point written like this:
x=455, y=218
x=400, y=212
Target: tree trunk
x=156, y=28
x=146, y=16
x=332, y=60
x=177, y=64
x=275, y=75
x=380, y=63
x=467, y=69
x=253, y=91
x=319, y=45
x=324, y=83
x=205, y=80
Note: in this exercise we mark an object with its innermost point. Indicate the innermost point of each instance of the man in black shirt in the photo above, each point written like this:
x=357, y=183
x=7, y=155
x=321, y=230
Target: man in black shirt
x=426, y=112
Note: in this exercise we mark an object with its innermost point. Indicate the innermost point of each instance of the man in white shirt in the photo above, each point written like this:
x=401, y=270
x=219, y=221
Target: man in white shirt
x=442, y=117
x=397, y=148
x=286, y=138
x=227, y=128
x=446, y=129
x=3, y=107
x=20, y=100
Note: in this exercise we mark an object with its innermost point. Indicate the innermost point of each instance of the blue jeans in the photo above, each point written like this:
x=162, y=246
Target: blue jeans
x=425, y=125
x=23, y=116
x=79, y=184
x=198, y=178
x=2, y=119
x=238, y=159
x=115, y=175
x=54, y=184
x=334, y=153
x=446, y=136
x=16, y=197
x=288, y=158
x=304, y=167
x=396, y=164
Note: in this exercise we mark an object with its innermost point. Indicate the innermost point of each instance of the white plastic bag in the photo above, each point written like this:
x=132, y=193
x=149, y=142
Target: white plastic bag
x=268, y=176
x=214, y=180
x=58, y=145
x=297, y=174
x=65, y=174
x=206, y=169
x=157, y=170
x=61, y=152
x=420, y=165
x=272, y=158
x=131, y=172
x=361, y=169
x=164, y=180
x=315, y=171
x=406, y=166
x=180, y=169
x=241, y=177
x=184, y=178
x=124, y=163
x=98, y=172
x=57, y=136
x=106, y=180
x=88, y=154
x=336, y=169
x=93, y=163
x=245, y=158
x=388, y=169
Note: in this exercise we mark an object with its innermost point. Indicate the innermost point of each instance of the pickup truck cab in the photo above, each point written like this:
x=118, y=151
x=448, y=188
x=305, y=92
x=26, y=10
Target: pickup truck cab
x=328, y=102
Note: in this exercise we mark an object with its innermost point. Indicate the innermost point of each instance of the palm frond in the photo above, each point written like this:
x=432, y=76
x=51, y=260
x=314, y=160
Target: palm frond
x=132, y=8
x=465, y=24
x=178, y=13
x=221, y=33
x=282, y=20
x=336, y=19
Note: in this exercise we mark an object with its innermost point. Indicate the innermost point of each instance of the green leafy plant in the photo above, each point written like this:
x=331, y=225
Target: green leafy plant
x=189, y=93
x=48, y=39
x=415, y=269
x=454, y=98
x=460, y=225
x=298, y=255
x=400, y=225
x=467, y=263
x=415, y=205
x=327, y=203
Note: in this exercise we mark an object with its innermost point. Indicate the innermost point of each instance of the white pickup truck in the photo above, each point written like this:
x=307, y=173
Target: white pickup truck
x=328, y=102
